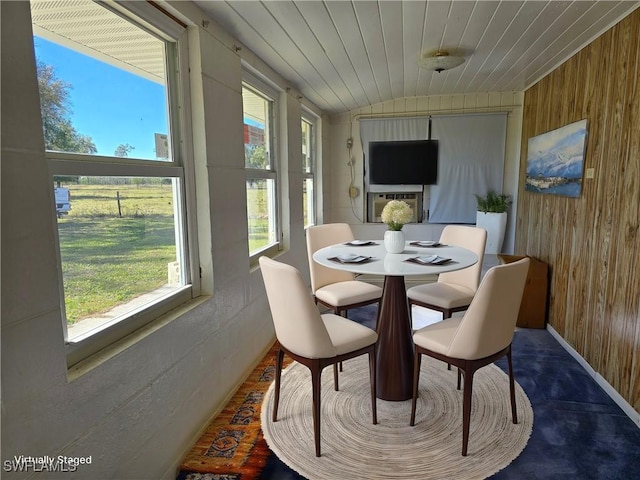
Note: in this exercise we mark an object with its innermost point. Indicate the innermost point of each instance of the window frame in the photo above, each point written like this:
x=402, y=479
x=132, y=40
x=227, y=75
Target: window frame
x=180, y=167
x=312, y=121
x=272, y=95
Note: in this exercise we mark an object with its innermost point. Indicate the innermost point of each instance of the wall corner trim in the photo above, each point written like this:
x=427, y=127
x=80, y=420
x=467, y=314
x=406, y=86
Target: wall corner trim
x=606, y=386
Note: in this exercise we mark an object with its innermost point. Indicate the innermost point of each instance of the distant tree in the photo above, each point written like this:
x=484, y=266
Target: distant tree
x=137, y=181
x=123, y=150
x=59, y=134
x=257, y=157
x=60, y=180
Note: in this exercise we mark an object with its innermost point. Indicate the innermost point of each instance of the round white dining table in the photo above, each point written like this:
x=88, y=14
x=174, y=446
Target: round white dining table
x=395, y=350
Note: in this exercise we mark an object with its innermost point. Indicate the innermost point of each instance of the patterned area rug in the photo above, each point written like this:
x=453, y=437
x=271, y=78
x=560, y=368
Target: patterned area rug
x=354, y=448
x=579, y=432
x=233, y=446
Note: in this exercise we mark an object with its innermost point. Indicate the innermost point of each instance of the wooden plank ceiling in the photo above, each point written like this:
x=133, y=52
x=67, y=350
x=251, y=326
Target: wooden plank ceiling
x=343, y=55
x=98, y=32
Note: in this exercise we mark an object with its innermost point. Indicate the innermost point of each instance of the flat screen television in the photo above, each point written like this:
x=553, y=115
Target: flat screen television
x=409, y=162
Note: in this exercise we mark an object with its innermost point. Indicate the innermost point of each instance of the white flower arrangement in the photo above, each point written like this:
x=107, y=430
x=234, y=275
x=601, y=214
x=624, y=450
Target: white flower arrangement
x=396, y=213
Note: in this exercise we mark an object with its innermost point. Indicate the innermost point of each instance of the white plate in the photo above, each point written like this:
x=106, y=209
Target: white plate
x=358, y=243
x=350, y=258
x=426, y=243
x=432, y=260
x=427, y=259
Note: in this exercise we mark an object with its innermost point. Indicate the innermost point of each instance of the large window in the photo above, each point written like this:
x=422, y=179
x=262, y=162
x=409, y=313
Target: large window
x=308, y=169
x=109, y=97
x=260, y=165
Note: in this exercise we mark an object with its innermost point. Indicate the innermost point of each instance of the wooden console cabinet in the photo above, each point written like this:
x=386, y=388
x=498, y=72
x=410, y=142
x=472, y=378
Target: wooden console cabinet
x=533, y=309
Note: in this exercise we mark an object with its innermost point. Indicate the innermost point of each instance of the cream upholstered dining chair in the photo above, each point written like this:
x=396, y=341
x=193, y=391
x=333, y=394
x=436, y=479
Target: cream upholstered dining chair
x=480, y=337
x=310, y=338
x=453, y=291
x=333, y=288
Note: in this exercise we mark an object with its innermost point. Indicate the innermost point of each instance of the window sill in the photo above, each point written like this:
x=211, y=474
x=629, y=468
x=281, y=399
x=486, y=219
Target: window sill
x=270, y=251
x=86, y=365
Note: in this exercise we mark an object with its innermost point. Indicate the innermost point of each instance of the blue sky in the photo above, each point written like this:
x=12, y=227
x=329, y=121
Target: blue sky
x=110, y=105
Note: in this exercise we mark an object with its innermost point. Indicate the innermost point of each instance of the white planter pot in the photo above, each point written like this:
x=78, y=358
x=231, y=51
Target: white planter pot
x=394, y=241
x=495, y=224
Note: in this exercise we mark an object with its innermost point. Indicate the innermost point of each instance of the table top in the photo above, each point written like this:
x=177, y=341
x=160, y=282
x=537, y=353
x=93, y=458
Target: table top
x=395, y=264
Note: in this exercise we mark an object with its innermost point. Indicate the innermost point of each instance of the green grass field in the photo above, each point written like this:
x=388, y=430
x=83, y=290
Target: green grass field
x=108, y=260
x=258, y=223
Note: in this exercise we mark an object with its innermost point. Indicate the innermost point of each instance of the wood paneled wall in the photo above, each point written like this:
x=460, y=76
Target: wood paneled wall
x=592, y=243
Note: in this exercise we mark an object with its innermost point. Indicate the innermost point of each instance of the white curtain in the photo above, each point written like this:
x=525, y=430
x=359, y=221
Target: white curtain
x=470, y=161
x=388, y=130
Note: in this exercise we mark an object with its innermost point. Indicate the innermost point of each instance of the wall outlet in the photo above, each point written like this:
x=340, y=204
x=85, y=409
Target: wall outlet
x=354, y=192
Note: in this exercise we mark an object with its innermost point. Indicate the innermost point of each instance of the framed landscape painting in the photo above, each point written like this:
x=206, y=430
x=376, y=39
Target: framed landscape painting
x=555, y=160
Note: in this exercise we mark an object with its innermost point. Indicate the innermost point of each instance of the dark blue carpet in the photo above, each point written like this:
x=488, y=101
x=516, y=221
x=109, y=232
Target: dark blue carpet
x=579, y=433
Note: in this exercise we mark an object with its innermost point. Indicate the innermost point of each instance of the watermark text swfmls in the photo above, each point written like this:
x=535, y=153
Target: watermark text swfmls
x=61, y=463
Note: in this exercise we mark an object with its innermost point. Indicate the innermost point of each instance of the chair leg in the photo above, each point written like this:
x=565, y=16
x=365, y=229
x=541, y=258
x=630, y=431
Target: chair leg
x=276, y=397
x=372, y=381
x=512, y=388
x=378, y=316
x=466, y=409
x=459, y=375
x=342, y=313
x=335, y=376
x=447, y=314
x=416, y=377
x=315, y=383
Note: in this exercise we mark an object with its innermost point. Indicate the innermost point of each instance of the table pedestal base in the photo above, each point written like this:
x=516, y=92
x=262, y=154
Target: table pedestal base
x=395, y=343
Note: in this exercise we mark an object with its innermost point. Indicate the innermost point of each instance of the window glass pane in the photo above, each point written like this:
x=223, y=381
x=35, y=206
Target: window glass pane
x=261, y=215
x=306, y=147
x=257, y=117
x=307, y=196
x=308, y=155
x=117, y=245
x=102, y=82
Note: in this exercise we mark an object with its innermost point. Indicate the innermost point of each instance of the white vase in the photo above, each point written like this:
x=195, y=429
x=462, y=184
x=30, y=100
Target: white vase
x=495, y=224
x=394, y=241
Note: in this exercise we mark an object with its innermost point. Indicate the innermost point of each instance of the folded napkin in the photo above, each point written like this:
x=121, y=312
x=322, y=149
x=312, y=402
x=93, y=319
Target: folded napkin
x=429, y=260
x=350, y=258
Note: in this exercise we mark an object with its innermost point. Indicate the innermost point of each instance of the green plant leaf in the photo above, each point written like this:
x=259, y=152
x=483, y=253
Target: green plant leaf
x=493, y=202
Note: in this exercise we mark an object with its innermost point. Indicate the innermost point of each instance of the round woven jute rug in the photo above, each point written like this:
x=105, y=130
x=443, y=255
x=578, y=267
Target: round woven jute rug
x=354, y=448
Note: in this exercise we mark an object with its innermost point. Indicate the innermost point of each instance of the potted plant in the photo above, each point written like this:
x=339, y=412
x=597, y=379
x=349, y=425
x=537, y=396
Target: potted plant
x=395, y=214
x=492, y=216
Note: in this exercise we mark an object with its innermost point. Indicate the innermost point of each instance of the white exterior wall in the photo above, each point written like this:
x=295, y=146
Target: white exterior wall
x=343, y=209
x=137, y=413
